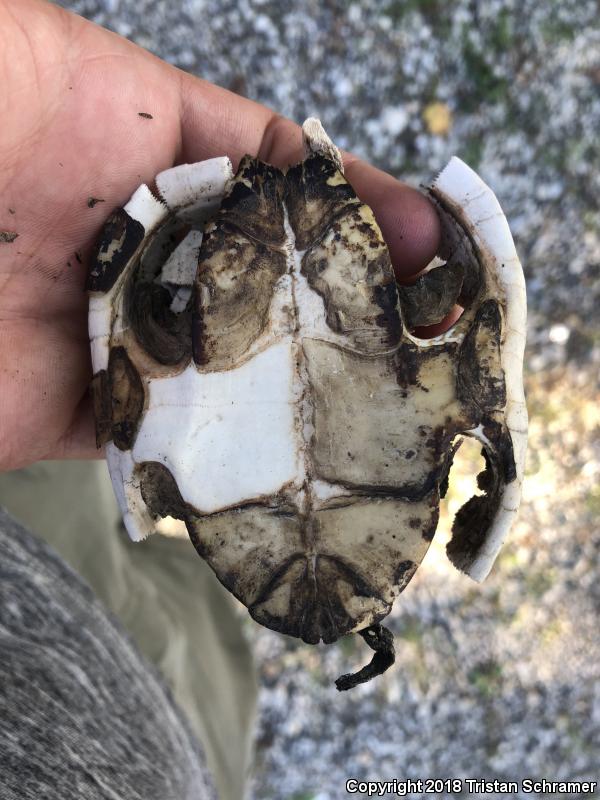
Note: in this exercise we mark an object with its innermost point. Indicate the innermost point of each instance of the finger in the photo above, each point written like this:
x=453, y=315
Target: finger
x=407, y=219
x=430, y=331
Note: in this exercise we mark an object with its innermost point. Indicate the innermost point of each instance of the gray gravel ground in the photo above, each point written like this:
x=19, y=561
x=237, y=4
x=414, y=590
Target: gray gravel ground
x=500, y=680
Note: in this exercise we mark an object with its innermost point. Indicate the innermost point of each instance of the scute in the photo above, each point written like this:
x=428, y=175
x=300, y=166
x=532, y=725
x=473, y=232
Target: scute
x=233, y=292
x=120, y=238
x=258, y=376
x=349, y=267
x=316, y=192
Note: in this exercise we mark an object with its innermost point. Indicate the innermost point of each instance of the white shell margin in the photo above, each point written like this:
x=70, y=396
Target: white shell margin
x=476, y=207
x=192, y=192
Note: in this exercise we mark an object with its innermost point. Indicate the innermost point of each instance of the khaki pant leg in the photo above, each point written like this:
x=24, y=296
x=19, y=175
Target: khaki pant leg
x=166, y=597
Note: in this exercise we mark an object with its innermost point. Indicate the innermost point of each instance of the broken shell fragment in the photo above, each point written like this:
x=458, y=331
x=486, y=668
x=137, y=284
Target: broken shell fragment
x=256, y=375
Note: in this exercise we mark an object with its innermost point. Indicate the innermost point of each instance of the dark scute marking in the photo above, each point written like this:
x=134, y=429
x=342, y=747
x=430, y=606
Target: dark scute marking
x=356, y=281
x=301, y=598
x=403, y=573
x=257, y=210
x=485, y=478
x=316, y=611
x=414, y=523
x=329, y=570
x=480, y=378
x=201, y=548
x=127, y=398
x=410, y=359
x=432, y=296
x=446, y=467
x=499, y=436
x=316, y=607
x=412, y=492
x=201, y=348
x=507, y=457
x=429, y=531
x=277, y=578
x=381, y=640
x=312, y=202
x=233, y=291
x=471, y=284
x=120, y=237
x=100, y=388
x=163, y=334
x=160, y=491
x=386, y=297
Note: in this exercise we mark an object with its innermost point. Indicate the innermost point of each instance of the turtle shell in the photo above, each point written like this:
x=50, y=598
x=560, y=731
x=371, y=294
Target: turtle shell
x=256, y=376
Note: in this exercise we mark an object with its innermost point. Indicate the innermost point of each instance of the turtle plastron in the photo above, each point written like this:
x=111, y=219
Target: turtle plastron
x=256, y=376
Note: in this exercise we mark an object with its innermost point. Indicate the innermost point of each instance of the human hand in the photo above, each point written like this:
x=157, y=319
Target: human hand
x=72, y=130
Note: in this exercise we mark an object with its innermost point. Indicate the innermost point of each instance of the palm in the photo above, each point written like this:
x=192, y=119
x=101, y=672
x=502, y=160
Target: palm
x=72, y=130
x=82, y=137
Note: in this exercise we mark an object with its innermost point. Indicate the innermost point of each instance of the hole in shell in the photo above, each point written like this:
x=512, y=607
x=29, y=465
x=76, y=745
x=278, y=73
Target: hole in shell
x=467, y=463
x=430, y=331
x=169, y=526
x=433, y=330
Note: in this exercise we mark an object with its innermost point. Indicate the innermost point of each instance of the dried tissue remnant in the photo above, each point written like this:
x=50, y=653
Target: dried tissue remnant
x=256, y=376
